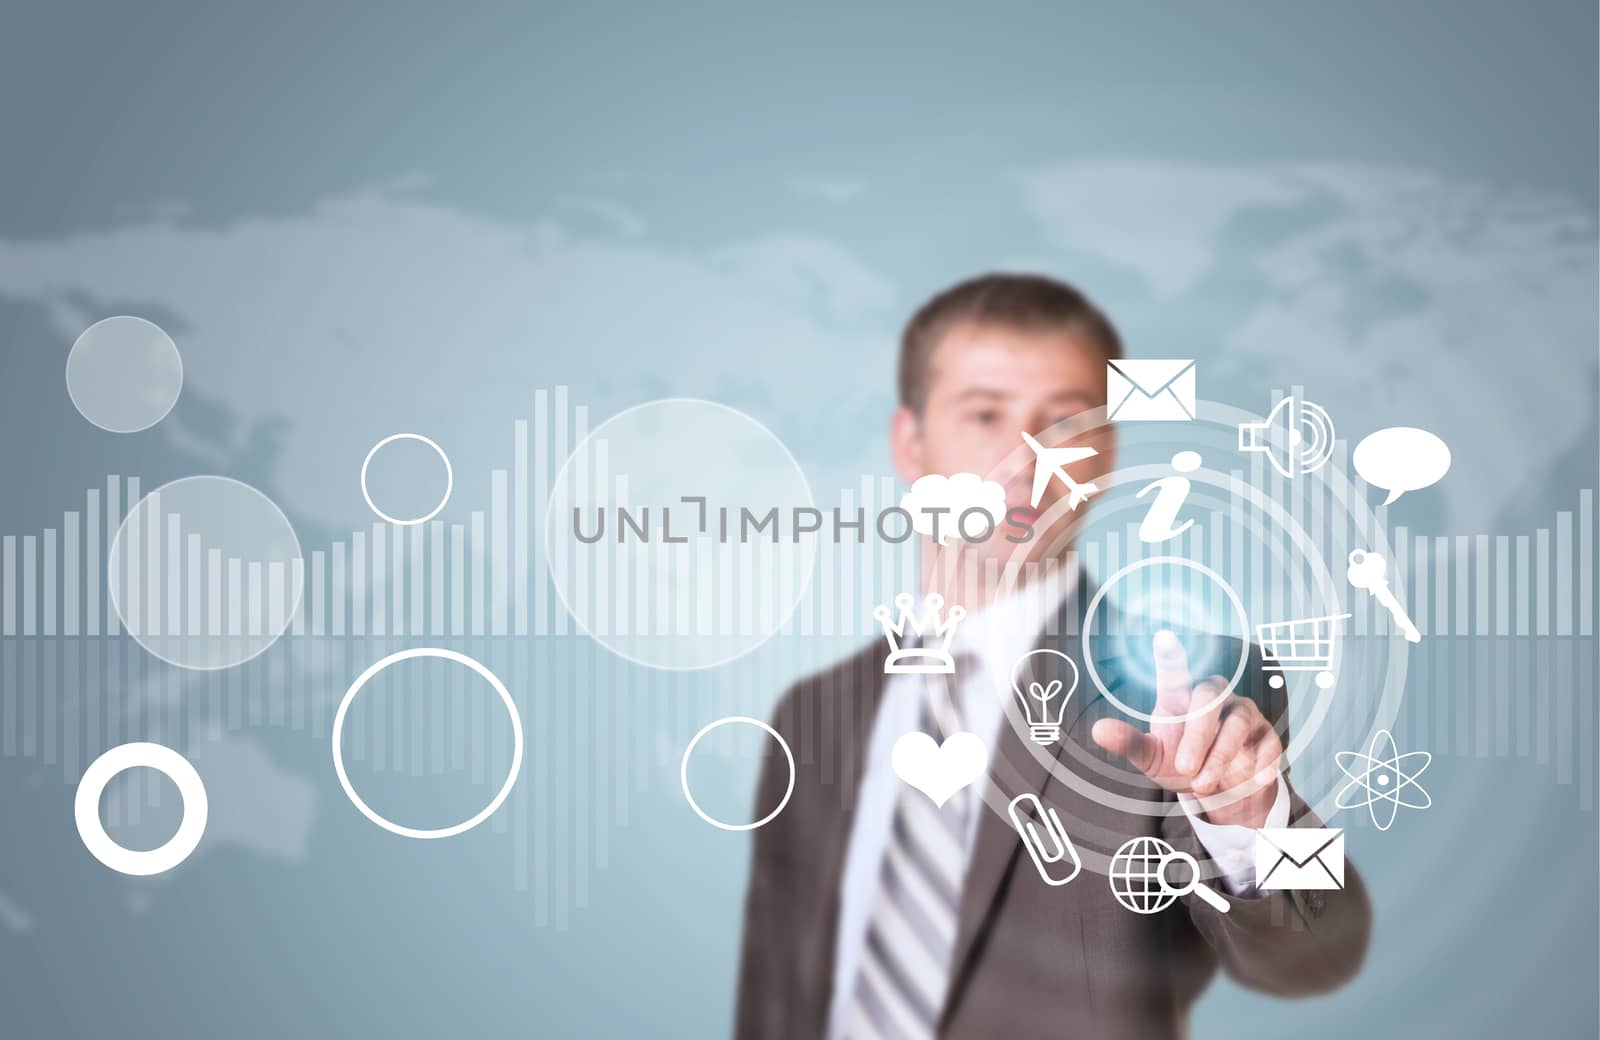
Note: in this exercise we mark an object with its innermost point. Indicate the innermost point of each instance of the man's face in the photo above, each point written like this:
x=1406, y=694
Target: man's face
x=986, y=385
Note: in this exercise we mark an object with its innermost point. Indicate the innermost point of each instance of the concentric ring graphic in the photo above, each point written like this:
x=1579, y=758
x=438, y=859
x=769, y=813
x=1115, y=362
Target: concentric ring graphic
x=1273, y=526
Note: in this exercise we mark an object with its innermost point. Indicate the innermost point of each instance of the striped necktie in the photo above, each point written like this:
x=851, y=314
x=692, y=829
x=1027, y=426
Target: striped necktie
x=905, y=966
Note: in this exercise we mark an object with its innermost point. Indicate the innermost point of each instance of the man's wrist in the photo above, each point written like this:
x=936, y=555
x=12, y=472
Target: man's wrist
x=1230, y=841
x=1248, y=812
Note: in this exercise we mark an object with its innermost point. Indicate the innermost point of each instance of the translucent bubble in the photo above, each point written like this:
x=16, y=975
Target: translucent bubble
x=679, y=534
x=205, y=572
x=124, y=374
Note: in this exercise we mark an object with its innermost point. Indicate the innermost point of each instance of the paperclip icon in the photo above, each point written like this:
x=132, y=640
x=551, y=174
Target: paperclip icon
x=1044, y=851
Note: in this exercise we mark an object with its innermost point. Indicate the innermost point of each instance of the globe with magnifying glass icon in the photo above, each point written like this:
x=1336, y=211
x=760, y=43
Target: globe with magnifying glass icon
x=1139, y=877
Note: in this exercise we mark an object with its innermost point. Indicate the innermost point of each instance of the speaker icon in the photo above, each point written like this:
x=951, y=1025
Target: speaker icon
x=1296, y=437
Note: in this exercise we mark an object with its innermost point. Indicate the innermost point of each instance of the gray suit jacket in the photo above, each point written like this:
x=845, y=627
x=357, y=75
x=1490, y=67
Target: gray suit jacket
x=1030, y=959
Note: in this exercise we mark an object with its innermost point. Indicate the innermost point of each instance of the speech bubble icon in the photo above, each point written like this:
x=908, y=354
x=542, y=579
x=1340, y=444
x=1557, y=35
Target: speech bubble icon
x=1401, y=459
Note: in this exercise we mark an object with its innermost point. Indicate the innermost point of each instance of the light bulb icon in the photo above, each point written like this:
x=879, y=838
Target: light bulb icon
x=1044, y=680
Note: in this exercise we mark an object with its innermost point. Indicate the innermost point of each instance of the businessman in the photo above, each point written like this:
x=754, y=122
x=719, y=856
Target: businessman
x=872, y=913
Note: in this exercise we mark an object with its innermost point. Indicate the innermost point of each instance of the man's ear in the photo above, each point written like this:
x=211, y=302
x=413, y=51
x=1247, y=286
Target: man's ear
x=905, y=444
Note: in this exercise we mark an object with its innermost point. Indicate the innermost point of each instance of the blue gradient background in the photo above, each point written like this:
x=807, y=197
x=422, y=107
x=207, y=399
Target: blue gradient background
x=379, y=217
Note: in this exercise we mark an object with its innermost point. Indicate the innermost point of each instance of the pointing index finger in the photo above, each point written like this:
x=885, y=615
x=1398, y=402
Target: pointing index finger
x=1173, y=683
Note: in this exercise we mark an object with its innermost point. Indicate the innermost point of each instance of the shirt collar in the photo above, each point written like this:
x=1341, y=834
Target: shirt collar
x=999, y=633
x=1009, y=627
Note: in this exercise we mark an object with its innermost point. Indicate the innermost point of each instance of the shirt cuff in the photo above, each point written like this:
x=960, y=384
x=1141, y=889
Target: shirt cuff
x=1232, y=847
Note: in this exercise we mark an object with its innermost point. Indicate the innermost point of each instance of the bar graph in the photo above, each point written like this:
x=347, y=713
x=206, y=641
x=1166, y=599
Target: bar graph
x=1499, y=611
x=489, y=576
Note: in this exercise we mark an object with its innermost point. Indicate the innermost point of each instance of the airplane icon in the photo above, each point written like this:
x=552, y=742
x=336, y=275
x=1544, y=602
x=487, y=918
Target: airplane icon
x=1053, y=462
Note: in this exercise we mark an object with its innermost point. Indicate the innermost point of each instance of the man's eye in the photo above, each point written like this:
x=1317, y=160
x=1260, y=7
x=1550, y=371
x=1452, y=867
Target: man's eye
x=986, y=417
x=1058, y=424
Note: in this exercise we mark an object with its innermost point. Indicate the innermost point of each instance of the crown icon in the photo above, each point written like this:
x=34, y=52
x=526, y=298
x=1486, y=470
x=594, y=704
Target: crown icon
x=930, y=652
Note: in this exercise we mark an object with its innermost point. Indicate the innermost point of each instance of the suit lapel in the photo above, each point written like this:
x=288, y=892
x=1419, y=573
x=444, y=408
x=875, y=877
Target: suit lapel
x=854, y=713
x=846, y=719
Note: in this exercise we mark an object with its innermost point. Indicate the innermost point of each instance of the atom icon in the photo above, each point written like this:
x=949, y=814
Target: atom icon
x=1381, y=781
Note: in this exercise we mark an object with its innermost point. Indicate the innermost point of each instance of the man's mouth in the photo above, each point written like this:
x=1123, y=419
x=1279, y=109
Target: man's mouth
x=1022, y=513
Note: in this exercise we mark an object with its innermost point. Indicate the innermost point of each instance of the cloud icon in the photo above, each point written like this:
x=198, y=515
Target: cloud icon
x=1401, y=459
x=937, y=502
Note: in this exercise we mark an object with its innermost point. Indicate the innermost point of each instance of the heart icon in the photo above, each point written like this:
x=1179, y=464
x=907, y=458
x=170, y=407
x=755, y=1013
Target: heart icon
x=939, y=770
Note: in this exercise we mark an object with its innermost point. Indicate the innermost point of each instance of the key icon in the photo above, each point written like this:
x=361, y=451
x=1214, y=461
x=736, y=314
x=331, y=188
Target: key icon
x=1369, y=571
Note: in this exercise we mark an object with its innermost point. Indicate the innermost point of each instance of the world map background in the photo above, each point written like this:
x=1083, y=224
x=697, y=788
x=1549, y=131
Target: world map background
x=359, y=223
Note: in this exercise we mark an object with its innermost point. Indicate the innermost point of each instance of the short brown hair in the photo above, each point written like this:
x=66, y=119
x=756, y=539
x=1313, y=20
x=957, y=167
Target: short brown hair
x=1021, y=301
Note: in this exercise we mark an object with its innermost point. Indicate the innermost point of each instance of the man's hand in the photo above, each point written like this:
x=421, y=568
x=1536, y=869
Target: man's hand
x=1228, y=749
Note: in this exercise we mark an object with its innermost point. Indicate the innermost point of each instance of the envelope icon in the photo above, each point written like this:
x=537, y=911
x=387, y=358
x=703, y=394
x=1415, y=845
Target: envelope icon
x=1149, y=389
x=1299, y=857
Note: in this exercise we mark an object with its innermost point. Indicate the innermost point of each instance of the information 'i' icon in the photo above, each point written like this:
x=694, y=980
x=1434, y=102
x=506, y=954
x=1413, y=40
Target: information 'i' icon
x=1171, y=492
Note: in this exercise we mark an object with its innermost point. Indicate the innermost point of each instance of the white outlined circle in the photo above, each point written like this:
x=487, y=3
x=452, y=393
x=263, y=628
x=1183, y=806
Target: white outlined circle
x=683, y=774
x=516, y=742
x=449, y=478
x=124, y=374
x=1233, y=598
x=86, y=809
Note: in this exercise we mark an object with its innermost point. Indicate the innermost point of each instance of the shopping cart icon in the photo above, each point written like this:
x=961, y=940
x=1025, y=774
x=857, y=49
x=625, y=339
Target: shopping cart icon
x=1302, y=645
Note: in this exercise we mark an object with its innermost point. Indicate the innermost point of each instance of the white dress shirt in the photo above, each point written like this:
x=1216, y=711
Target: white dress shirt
x=993, y=638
